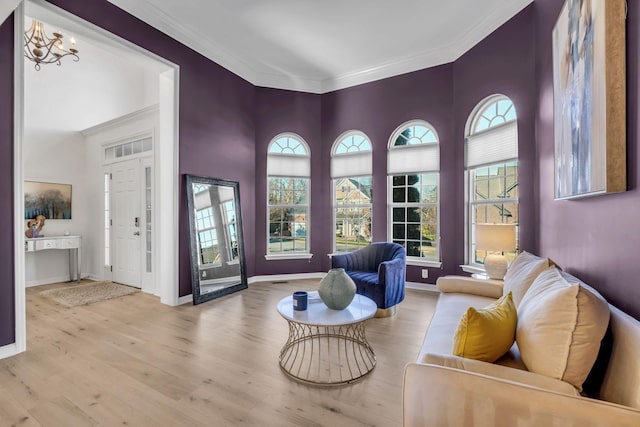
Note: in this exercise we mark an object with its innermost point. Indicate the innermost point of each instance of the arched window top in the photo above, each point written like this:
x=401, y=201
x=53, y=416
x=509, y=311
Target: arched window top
x=495, y=111
x=351, y=142
x=290, y=144
x=198, y=188
x=415, y=132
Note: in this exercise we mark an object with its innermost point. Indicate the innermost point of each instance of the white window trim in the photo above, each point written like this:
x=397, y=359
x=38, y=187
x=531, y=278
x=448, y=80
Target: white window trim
x=415, y=261
x=473, y=268
x=213, y=264
x=479, y=268
x=411, y=260
x=472, y=121
x=335, y=208
x=288, y=255
x=304, y=254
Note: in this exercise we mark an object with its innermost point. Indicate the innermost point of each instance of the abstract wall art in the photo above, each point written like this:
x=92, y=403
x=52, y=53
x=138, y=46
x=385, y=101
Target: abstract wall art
x=589, y=98
x=48, y=199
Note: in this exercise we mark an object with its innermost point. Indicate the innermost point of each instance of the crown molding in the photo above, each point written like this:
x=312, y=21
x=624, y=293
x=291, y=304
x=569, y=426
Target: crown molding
x=155, y=17
x=426, y=59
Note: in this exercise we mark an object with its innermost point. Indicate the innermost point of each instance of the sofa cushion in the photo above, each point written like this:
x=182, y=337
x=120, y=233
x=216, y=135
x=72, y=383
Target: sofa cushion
x=560, y=326
x=521, y=274
x=497, y=371
x=450, y=307
x=487, y=333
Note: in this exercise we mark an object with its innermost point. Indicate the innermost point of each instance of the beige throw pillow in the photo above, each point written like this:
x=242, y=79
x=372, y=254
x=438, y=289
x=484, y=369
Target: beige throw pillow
x=521, y=274
x=560, y=326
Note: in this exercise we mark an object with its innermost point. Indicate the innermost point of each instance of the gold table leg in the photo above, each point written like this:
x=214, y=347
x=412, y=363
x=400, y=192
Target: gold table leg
x=327, y=355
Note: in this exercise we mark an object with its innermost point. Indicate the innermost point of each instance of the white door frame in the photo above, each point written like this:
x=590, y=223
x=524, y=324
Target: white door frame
x=166, y=172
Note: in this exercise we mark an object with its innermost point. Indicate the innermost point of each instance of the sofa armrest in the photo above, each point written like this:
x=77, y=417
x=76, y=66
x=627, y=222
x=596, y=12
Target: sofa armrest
x=437, y=396
x=469, y=285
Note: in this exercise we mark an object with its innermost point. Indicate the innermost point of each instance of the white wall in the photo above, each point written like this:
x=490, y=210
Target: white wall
x=132, y=126
x=60, y=102
x=57, y=157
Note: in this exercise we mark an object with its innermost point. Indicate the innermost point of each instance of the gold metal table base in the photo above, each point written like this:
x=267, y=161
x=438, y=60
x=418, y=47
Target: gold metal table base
x=327, y=355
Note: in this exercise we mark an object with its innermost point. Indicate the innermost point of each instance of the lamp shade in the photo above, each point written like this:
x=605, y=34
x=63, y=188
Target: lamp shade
x=496, y=237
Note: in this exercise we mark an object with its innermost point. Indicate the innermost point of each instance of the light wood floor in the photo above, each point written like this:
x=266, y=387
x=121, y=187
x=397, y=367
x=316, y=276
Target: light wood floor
x=132, y=361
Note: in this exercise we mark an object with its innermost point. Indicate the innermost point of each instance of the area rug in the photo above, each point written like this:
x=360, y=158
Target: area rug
x=88, y=294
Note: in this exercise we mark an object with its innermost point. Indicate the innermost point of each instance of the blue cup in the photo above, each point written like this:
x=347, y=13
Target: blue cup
x=300, y=300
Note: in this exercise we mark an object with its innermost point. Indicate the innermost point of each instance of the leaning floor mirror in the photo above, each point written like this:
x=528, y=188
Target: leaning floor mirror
x=218, y=265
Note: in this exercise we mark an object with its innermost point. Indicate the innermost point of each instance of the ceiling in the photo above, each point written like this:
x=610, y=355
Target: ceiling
x=323, y=45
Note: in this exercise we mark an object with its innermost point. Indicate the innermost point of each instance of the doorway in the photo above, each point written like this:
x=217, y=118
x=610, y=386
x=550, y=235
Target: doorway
x=165, y=161
x=126, y=222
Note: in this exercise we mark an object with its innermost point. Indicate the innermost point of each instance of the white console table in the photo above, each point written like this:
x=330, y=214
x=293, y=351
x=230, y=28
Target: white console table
x=71, y=243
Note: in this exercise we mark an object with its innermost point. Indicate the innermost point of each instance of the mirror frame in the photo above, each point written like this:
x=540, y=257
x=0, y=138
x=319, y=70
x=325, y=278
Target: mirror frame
x=199, y=298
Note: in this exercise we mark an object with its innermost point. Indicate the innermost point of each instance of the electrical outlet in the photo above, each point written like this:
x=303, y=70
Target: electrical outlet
x=425, y=273
x=204, y=274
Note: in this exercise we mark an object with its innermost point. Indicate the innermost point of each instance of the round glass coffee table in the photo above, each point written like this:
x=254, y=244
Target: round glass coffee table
x=327, y=347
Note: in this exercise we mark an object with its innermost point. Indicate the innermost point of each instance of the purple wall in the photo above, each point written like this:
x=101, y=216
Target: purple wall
x=597, y=238
x=501, y=63
x=7, y=287
x=377, y=109
x=226, y=124
x=279, y=111
x=216, y=124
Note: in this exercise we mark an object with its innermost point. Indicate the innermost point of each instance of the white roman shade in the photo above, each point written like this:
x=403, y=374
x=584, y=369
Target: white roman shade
x=414, y=159
x=352, y=164
x=288, y=165
x=494, y=145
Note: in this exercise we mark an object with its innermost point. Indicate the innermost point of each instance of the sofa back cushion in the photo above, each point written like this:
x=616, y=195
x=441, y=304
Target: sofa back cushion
x=621, y=383
x=521, y=274
x=560, y=327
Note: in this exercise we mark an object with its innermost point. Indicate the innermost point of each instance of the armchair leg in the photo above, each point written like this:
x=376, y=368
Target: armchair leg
x=386, y=312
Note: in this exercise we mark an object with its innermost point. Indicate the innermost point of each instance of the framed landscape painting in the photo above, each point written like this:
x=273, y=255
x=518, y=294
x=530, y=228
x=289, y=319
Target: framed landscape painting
x=48, y=199
x=589, y=98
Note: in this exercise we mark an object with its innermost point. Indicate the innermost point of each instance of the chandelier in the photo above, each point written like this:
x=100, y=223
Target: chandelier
x=42, y=49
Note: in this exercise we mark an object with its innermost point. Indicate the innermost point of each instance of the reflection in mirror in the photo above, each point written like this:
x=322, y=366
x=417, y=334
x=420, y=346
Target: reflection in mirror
x=217, y=254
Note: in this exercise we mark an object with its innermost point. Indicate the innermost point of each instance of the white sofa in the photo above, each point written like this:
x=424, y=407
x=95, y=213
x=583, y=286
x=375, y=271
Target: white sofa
x=444, y=390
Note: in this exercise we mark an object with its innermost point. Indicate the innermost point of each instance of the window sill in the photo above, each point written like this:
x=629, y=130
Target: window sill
x=472, y=269
x=424, y=263
x=276, y=257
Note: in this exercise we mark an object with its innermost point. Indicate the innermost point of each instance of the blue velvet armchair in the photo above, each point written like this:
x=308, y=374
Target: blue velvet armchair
x=379, y=271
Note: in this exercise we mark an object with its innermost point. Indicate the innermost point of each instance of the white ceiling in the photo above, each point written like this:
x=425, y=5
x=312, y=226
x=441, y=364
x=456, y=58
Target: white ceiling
x=323, y=45
x=109, y=81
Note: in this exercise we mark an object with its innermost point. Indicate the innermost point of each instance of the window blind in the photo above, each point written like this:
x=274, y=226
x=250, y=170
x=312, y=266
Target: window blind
x=358, y=164
x=416, y=158
x=494, y=145
x=289, y=166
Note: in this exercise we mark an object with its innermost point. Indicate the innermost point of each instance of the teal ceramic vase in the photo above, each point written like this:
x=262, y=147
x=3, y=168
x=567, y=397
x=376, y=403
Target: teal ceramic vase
x=337, y=289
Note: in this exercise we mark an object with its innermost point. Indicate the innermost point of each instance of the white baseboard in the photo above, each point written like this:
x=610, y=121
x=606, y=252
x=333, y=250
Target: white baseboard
x=268, y=278
x=8, y=350
x=284, y=277
x=47, y=281
x=185, y=299
x=422, y=287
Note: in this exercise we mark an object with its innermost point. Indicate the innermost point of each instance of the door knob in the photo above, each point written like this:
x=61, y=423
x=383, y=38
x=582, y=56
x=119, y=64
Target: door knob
x=136, y=233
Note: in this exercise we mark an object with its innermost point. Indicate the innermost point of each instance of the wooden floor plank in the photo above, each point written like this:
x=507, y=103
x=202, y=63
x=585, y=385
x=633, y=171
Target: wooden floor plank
x=134, y=361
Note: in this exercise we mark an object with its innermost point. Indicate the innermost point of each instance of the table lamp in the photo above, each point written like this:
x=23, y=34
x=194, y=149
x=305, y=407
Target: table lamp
x=496, y=238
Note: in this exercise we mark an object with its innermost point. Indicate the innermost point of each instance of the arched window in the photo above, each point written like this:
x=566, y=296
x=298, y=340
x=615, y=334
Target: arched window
x=351, y=173
x=413, y=163
x=288, y=180
x=491, y=165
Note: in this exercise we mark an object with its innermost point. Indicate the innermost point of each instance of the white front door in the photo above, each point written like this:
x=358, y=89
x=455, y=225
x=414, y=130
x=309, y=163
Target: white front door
x=126, y=222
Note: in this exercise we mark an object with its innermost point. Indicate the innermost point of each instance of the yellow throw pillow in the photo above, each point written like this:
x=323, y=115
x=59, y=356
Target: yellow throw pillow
x=486, y=333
